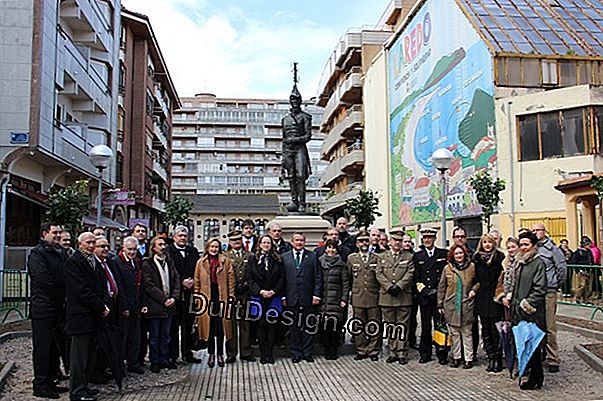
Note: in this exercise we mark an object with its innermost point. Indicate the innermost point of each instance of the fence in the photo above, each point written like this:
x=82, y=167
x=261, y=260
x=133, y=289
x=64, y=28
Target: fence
x=583, y=287
x=15, y=294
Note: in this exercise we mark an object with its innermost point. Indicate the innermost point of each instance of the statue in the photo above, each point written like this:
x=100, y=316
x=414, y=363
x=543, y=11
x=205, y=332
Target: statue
x=295, y=163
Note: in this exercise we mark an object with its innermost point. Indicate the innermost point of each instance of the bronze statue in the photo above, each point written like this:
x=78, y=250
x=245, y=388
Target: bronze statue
x=295, y=164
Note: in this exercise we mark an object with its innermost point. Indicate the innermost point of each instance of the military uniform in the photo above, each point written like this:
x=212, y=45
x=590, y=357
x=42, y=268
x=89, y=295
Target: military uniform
x=241, y=330
x=395, y=275
x=428, y=270
x=365, y=298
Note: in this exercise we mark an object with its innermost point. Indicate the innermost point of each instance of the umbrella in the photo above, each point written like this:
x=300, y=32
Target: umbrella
x=504, y=331
x=109, y=341
x=527, y=339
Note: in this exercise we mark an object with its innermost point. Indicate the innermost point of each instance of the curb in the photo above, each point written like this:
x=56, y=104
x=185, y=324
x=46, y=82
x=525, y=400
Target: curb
x=591, y=359
x=8, y=368
x=11, y=335
x=581, y=330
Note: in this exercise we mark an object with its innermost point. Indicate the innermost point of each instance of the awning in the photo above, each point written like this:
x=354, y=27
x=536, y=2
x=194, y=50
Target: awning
x=105, y=222
x=31, y=196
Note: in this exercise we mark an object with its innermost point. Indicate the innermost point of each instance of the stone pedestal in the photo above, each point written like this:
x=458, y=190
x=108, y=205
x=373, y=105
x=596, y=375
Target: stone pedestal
x=314, y=227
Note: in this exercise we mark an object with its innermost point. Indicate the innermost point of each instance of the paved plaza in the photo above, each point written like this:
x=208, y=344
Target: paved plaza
x=349, y=380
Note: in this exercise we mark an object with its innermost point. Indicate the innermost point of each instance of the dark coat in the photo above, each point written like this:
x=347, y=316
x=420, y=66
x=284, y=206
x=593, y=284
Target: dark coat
x=487, y=275
x=348, y=240
x=428, y=272
x=582, y=256
x=282, y=246
x=154, y=297
x=254, y=247
x=45, y=269
x=303, y=283
x=131, y=284
x=185, y=266
x=270, y=276
x=531, y=286
x=87, y=295
x=335, y=285
x=343, y=252
x=116, y=302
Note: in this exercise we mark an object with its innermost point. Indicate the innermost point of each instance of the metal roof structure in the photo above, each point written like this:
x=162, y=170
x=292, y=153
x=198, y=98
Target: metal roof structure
x=546, y=27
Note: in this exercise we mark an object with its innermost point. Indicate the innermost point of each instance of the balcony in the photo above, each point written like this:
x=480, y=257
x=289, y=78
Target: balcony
x=88, y=22
x=184, y=185
x=352, y=122
x=160, y=170
x=349, y=92
x=160, y=135
x=158, y=204
x=337, y=201
x=338, y=167
x=161, y=104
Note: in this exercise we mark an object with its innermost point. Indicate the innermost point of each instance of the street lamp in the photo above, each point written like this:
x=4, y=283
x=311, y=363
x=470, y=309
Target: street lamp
x=101, y=157
x=442, y=159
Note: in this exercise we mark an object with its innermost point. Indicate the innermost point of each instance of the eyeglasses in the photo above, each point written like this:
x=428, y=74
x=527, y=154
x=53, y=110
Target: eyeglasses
x=363, y=240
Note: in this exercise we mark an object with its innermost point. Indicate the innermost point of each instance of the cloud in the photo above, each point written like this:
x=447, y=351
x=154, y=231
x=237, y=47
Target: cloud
x=233, y=53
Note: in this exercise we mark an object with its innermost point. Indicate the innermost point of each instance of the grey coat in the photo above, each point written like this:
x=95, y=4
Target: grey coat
x=528, y=299
x=554, y=262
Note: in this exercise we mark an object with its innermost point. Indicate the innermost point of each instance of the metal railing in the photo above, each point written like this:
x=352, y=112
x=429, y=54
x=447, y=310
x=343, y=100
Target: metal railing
x=583, y=287
x=15, y=294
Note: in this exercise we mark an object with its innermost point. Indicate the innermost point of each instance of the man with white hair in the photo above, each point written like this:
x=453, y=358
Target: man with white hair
x=185, y=259
x=275, y=231
x=130, y=267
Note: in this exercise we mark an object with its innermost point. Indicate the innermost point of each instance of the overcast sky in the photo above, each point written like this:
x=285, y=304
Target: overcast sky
x=245, y=48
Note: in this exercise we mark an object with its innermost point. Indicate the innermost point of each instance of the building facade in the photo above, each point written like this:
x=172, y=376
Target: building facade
x=147, y=100
x=340, y=92
x=59, y=78
x=233, y=146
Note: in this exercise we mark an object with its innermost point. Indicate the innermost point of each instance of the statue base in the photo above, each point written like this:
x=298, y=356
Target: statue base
x=313, y=226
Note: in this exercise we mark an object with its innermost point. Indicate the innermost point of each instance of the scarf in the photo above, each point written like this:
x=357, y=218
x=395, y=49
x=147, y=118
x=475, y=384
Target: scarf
x=214, y=262
x=486, y=256
x=458, y=294
x=264, y=260
x=162, y=266
x=329, y=261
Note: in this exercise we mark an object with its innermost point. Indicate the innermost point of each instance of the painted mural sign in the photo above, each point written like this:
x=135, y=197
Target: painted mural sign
x=440, y=95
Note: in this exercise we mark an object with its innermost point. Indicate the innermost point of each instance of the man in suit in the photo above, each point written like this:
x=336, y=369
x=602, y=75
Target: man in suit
x=395, y=274
x=87, y=306
x=250, y=241
x=241, y=330
x=344, y=236
x=365, y=295
x=130, y=270
x=375, y=238
x=185, y=259
x=333, y=234
x=276, y=233
x=45, y=268
x=139, y=231
x=429, y=262
x=303, y=277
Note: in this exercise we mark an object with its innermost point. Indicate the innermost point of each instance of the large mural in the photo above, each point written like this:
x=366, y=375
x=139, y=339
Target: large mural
x=440, y=87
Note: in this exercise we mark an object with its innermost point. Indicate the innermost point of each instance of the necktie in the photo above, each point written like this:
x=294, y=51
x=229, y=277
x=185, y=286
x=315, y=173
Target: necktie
x=297, y=259
x=247, y=245
x=112, y=284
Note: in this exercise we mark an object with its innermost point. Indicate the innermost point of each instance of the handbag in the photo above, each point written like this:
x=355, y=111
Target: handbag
x=441, y=337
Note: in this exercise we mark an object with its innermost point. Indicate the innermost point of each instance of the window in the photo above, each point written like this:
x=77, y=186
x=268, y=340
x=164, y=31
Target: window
x=122, y=78
x=573, y=132
x=567, y=73
x=549, y=73
x=211, y=228
x=550, y=131
x=119, y=169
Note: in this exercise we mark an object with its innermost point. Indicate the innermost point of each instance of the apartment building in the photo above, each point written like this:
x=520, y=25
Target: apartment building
x=146, y=102
x=59, y=81
x=233, y=146
x=340, y=93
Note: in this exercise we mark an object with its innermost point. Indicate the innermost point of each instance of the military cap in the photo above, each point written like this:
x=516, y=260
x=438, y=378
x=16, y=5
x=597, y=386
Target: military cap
x=397, y=234
x=362, y=234
x=235, y=235
x=428, y=232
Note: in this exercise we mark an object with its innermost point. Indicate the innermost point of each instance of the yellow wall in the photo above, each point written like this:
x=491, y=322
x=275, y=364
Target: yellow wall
x=376, y=148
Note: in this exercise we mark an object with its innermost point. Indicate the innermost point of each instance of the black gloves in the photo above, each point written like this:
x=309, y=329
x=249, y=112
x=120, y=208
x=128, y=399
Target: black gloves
x=394, y=290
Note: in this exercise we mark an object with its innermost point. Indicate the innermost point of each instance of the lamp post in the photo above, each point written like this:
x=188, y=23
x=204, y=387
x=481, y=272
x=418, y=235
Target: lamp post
x=442, y=159
x=101, y=157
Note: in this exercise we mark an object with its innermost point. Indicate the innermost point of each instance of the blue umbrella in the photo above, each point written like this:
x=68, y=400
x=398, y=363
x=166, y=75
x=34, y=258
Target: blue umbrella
x=527, y=339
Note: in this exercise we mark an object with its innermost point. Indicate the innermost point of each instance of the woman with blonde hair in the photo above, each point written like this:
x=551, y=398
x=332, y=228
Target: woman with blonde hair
x=214, y=283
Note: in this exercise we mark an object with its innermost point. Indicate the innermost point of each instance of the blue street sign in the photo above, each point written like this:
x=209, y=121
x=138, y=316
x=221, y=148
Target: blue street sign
x=19, y=137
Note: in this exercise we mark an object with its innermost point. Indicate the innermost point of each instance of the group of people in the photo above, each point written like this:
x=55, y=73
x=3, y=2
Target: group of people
x=149, y=293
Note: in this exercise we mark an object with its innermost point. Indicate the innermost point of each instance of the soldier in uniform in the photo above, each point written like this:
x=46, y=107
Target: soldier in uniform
x=365, y=295
x=429, y=263
x=395, y=276
x=241, y=330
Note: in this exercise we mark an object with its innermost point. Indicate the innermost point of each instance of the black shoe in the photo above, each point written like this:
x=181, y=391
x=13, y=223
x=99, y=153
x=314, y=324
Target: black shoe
x=490, y=367
x=231, y=359
x=249, y=358
x=497, y=367
x=296, y=359
x=83, y=398
x=391, y=359
x=271, y=361
x=455, y=363
x=136, y=369
x=402, y=361
x=263, y=360
x=48, y=393
x=374, y=358
x=553, y=369
x=193, y=360
x=155, y=368
x=530, y=385
x=309, y=359
x=60, y=389
x=211, y=361
x=442, y=361
x=360, y=357
x=220, y=361
x=92, y=391
x=424, y=360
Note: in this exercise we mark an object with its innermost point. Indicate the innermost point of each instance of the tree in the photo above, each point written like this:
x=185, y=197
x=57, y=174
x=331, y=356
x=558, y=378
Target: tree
x=177, y=210
x=596, y=182
x=67, y=206
x=364, y=208
x=488, y=192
